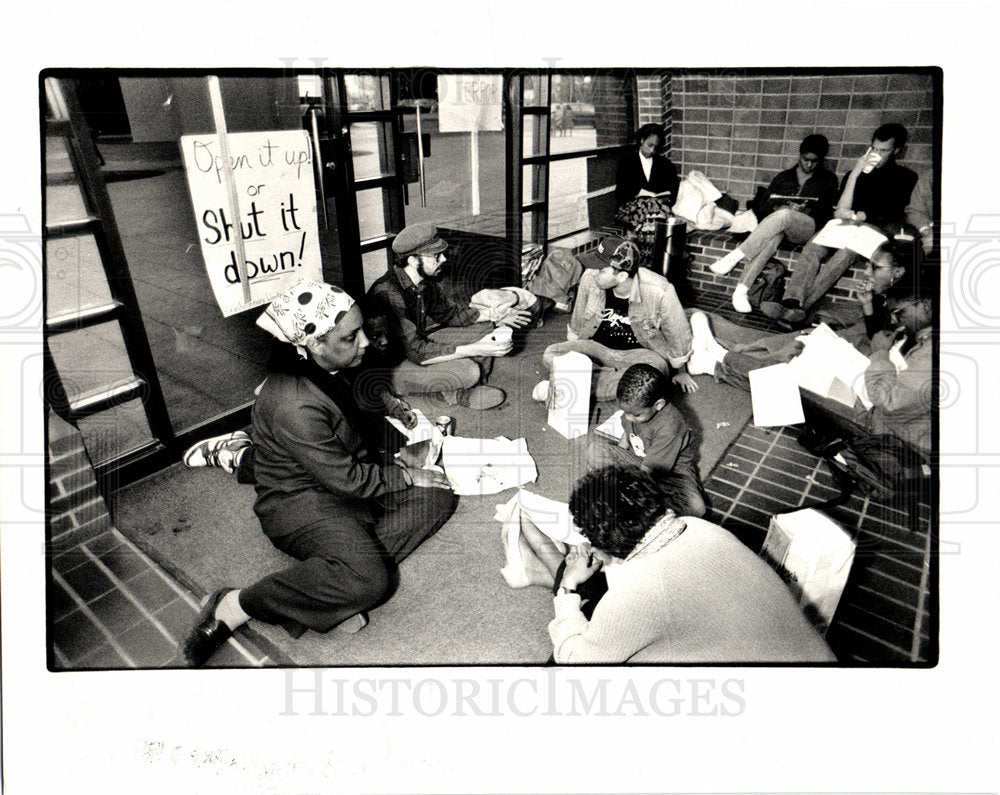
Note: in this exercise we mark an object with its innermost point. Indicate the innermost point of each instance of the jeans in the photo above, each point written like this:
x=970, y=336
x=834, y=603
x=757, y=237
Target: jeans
x=765, y=239
x=609, y=363
x=810, y=280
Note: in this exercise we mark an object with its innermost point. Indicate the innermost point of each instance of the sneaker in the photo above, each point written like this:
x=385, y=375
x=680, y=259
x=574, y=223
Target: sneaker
x=541, y=391
x=727, y=263
x=219, y=451
x=740, y=301
x=706, y=352
x=481, y=398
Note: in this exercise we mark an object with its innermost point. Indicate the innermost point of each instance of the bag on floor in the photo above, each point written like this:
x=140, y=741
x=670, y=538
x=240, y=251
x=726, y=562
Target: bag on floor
x=769, y=284
x=557, y=279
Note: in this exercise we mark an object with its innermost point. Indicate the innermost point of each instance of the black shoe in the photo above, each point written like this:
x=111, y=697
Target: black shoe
x=208, y=633
x=791, y=303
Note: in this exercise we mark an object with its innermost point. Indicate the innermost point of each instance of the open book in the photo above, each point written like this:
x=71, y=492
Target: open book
x=861, y=239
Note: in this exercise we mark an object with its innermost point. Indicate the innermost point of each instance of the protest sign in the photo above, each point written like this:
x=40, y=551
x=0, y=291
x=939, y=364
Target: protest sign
x=276, y=217
x=468, y=103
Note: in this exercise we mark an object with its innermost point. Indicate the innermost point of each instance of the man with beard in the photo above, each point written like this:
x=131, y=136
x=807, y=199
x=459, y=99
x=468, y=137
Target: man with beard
x=440, y=345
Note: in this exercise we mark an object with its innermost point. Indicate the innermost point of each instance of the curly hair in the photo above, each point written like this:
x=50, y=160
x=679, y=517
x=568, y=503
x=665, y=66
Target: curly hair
x=641, y=385
x=614, y=507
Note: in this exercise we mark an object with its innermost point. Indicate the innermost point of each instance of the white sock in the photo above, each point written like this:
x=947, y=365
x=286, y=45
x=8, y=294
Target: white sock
x=229, y=611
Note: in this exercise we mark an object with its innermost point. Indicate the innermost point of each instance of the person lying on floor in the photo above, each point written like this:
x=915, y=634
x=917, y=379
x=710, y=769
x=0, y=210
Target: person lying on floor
x=624, y=315
x=371, y=385
x=795, y=220
x=678, y=589
x=901, y=397
x=439, y=345
x=321, y=496
x=876, y=191
x=656, y=438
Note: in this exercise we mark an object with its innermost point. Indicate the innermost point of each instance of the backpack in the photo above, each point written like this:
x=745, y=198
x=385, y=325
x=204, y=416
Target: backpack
x=881, y=466
x=557, y=278
x=769, y=284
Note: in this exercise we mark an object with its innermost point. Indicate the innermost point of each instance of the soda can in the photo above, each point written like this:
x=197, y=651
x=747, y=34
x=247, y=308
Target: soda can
x=445, y=424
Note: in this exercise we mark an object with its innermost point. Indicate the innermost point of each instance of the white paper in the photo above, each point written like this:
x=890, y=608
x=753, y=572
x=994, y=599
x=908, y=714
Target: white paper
x=862, y=240
x=550, y=516
x=569, y=394
x=775, y=396
x=831, y=367
x=486, y=466
x=425, y=428
x=612, y=427
x=816, y=555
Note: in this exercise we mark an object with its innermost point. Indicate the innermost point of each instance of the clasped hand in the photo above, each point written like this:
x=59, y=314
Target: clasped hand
x=581, y=565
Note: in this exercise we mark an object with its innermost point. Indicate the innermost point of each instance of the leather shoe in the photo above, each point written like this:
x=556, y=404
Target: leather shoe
x=208, y=633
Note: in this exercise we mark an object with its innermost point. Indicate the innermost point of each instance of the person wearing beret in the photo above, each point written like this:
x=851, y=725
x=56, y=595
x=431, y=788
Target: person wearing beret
x=441, y=345
x=323, y=496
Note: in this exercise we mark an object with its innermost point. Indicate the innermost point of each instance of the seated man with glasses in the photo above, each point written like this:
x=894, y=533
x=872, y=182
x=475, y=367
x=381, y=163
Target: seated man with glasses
x=439, y=345
x=797, y=203
x=624, y=315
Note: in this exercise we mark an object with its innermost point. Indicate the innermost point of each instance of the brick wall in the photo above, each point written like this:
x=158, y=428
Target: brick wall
x=610, y=120
x=741, y=130
x=76, y=510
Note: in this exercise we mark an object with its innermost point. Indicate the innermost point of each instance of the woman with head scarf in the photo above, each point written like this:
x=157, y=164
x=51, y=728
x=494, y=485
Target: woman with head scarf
x=323, y=497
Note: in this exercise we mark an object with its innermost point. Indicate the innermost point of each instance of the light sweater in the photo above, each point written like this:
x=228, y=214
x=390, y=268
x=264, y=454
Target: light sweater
x=705, y=597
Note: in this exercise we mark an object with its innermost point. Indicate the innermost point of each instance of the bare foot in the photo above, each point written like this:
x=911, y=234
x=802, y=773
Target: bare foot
x=522, y=568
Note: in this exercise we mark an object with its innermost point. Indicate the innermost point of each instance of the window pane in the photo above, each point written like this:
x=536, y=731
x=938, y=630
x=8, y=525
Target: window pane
x=371, y=212
x=535, y=91
x=535, y=133
x=74, y=275
x=57, y=157
x=533, y=189
x=64, y=203
x=374, y=264
x=370, y=149
x=589, y=111
x=115, y=432
x=567, y=196
x=90, y=359
x=366, y=92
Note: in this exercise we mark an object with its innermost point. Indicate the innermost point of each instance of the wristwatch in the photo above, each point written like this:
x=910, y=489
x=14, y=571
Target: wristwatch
x=562, y=589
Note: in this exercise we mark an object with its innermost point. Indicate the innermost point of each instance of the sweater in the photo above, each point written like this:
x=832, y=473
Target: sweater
x=703, y=598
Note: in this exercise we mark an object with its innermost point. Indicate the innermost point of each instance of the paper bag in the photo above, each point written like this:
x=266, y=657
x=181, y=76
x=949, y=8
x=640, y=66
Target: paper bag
x=569, y=394
x=813, y=554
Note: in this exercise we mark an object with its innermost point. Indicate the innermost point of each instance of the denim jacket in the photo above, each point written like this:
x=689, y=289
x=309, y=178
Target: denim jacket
x=657, y=317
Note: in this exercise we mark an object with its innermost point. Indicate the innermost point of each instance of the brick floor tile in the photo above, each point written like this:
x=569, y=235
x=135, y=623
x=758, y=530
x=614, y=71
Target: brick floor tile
x=146, y=645
x=104, y=657
x=123, y=561
x=58, y=603
x=116, y=612
x=88, y=581
x=151, y=589
x=177, y=617
x=76, y=635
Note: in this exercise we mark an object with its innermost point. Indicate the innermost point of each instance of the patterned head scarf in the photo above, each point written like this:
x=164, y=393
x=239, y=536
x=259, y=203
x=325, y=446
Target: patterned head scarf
x=306, y=311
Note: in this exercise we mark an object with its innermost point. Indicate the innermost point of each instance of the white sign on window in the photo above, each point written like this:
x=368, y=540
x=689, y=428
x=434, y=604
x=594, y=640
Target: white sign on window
x=468, y=103
x=276, y=217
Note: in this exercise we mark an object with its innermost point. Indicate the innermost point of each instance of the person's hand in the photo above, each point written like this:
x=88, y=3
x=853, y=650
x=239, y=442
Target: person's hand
x=869, y=158
x=581, y=565
x=429, y=479
x=685, y=382
x=488, y=346
x=883, y=340
x=399, y=409
x=515, y=318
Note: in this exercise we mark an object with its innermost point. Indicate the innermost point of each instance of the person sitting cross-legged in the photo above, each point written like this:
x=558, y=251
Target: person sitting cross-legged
x=624, y=315
x=656, y=438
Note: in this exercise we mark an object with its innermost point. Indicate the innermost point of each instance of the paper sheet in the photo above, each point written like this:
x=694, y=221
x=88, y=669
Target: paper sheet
x=425, y=428
x=775, y=396
x=486, y=466
x=550, y=516
x=831, y=367
x=862, y=239
x=612, y=427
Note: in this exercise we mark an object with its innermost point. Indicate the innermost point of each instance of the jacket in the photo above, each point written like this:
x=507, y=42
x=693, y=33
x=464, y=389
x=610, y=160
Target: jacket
x=657, y=317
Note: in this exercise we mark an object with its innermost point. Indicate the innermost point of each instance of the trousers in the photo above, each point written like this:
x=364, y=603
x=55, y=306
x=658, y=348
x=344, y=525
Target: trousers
x=409, y=378
x=765, y=239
